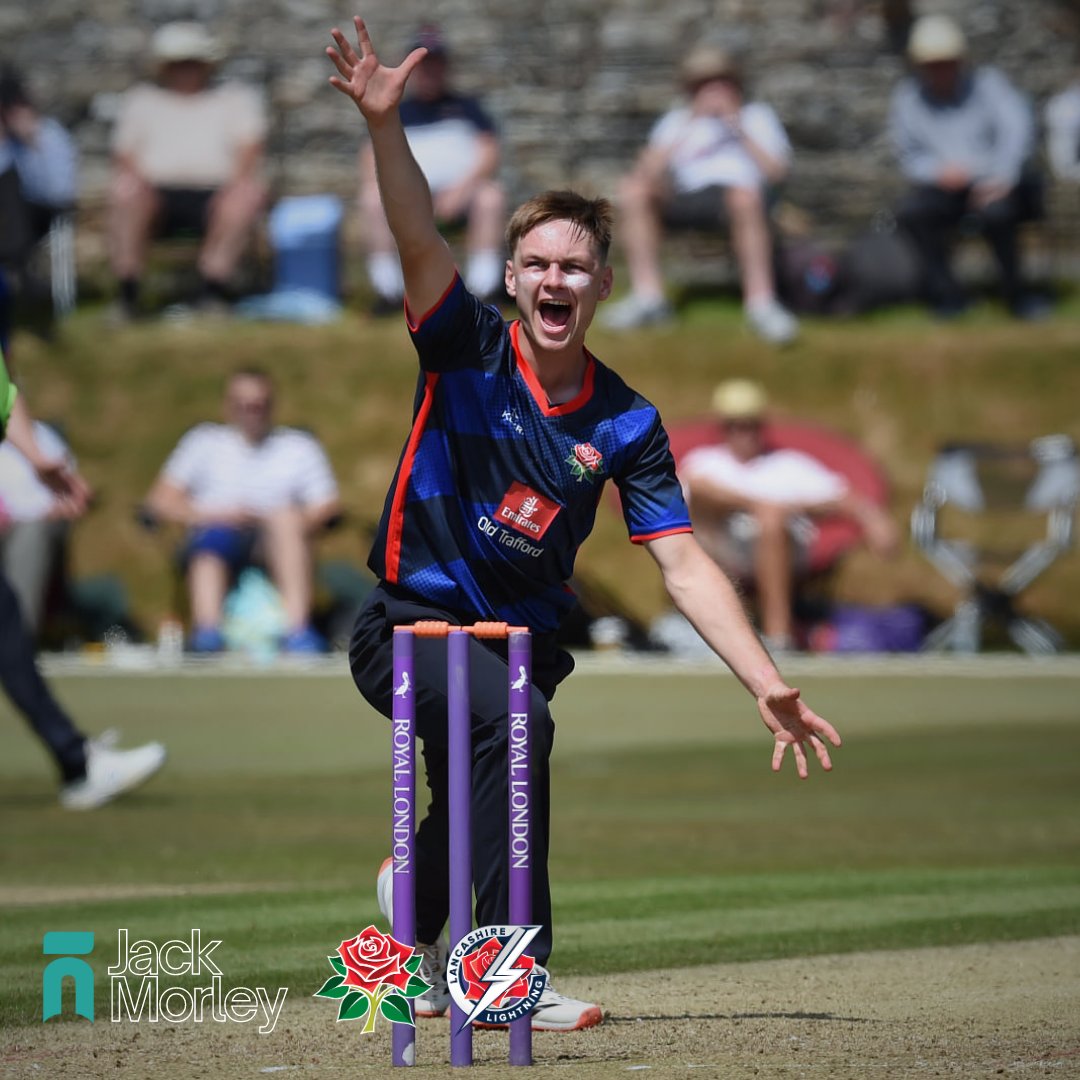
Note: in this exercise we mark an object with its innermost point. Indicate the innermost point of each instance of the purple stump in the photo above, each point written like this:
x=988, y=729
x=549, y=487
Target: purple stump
x=459, y=737
x=403, y=750
x=519, y=756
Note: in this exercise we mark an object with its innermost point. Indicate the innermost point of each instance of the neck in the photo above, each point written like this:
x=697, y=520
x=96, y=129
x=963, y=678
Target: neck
x=561, y=372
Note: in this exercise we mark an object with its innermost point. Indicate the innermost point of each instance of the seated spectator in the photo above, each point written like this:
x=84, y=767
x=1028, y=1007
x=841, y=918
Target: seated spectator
x=710, y=162
x=753, y=507
x=963, y=136
x=456, y=144
x=187, y=157
x=34, y=524
x=1063, y=133
x=247, y=491
x=38, y=180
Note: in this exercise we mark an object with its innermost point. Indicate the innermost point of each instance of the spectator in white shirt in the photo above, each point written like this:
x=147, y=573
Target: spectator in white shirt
x=248, y=491
x=753, y=507
x=34, y=524
x=708, y=163
x=187, y=158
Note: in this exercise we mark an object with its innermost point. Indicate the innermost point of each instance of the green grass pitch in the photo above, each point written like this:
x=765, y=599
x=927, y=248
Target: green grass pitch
x=951, y=816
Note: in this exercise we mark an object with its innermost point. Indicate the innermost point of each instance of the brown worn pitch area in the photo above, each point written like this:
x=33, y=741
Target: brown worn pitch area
x=971, y=1011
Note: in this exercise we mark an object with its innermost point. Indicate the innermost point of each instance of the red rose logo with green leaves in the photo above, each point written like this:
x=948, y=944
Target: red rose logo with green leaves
x=475, y=965
x=586, y=462
x=374, y=973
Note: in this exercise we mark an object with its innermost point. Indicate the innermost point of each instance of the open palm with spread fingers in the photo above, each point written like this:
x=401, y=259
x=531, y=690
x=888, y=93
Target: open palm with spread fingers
x=795, y=724
x=376, y=89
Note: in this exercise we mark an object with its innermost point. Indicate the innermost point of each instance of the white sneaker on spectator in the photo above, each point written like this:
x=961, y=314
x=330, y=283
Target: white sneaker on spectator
x=772, y=322
x=435, y=1001
x=111, y=772
x=634, y=311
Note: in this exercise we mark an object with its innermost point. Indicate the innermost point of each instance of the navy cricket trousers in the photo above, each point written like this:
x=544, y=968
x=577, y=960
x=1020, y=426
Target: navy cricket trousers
x=371, y=660
x=22, y=682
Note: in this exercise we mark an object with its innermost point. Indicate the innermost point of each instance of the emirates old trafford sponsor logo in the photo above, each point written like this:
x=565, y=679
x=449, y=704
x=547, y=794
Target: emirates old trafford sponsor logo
x=586, y=462
x=527, y=511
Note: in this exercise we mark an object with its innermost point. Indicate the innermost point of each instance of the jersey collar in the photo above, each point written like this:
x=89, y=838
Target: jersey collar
x=537, y=391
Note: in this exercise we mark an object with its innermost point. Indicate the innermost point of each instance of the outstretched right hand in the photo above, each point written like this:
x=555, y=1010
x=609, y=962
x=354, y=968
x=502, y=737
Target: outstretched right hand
x=375, y=89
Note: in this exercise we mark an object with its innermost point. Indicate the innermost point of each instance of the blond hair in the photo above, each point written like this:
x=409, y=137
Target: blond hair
x=594, y=217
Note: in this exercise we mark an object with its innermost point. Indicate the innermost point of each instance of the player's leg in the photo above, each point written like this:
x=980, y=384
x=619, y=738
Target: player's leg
x=22, y=682
x=92, y=772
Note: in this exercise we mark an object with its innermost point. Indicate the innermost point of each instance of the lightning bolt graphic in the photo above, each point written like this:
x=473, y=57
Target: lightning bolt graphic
x=503, y=974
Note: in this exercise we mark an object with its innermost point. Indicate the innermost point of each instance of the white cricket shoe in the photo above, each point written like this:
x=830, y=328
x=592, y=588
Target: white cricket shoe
x=111, y=772
x=772, y=322
x=557, y=1012
x=433, y=965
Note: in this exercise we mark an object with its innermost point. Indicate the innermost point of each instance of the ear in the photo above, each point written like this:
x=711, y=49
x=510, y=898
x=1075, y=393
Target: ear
x=508, y=280
x=607, y=279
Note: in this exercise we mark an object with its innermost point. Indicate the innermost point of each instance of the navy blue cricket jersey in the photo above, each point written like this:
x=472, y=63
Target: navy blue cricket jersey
x=496, y=489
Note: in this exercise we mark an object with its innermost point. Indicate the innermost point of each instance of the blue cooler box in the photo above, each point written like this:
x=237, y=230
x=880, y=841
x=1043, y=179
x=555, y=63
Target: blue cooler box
x=305, y=234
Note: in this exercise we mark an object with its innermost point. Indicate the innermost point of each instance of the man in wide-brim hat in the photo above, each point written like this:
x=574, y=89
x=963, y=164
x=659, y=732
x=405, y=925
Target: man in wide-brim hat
x=187, y=156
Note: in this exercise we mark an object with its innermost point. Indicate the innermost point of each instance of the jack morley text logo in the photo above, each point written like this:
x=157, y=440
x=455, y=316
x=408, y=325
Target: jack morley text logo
x=141, y=983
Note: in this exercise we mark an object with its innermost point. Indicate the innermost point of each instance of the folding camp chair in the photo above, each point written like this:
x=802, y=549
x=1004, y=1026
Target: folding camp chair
x=1003, y=486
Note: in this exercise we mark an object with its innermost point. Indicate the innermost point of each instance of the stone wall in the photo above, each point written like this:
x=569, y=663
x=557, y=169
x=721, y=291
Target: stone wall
x=574, y=85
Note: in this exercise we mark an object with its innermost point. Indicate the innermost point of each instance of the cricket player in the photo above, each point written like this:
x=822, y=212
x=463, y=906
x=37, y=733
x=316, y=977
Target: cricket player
x=92, y=772
x=515, y=429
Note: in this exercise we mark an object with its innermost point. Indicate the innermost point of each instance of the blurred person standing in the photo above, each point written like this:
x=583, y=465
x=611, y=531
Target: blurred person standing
x=709, y=163
x=456, y=144
x=187, y=158
x=963, y=136
x=92, y=771
x=38, y=181
x=248, y=491
x=41, y=153
x=34, y=523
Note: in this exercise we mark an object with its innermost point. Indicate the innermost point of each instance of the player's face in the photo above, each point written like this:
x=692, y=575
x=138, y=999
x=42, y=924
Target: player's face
x=557, y=276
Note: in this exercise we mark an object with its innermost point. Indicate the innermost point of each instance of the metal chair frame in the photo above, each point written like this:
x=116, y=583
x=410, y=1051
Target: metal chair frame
x=953, y=480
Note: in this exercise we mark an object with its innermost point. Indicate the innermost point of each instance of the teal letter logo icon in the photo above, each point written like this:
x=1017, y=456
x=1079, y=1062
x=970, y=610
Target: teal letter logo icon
x=67, y=946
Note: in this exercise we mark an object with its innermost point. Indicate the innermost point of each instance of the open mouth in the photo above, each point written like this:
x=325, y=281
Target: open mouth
x=554, y=314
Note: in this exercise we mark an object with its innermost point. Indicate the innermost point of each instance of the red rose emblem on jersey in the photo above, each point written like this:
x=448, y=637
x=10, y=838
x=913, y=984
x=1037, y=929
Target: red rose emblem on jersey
x=476, y=964
x=372, y=958
x=586, y=461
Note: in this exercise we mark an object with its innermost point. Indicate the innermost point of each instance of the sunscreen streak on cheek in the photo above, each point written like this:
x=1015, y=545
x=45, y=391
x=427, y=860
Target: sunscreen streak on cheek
x=574, y=279
x=578, y=279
